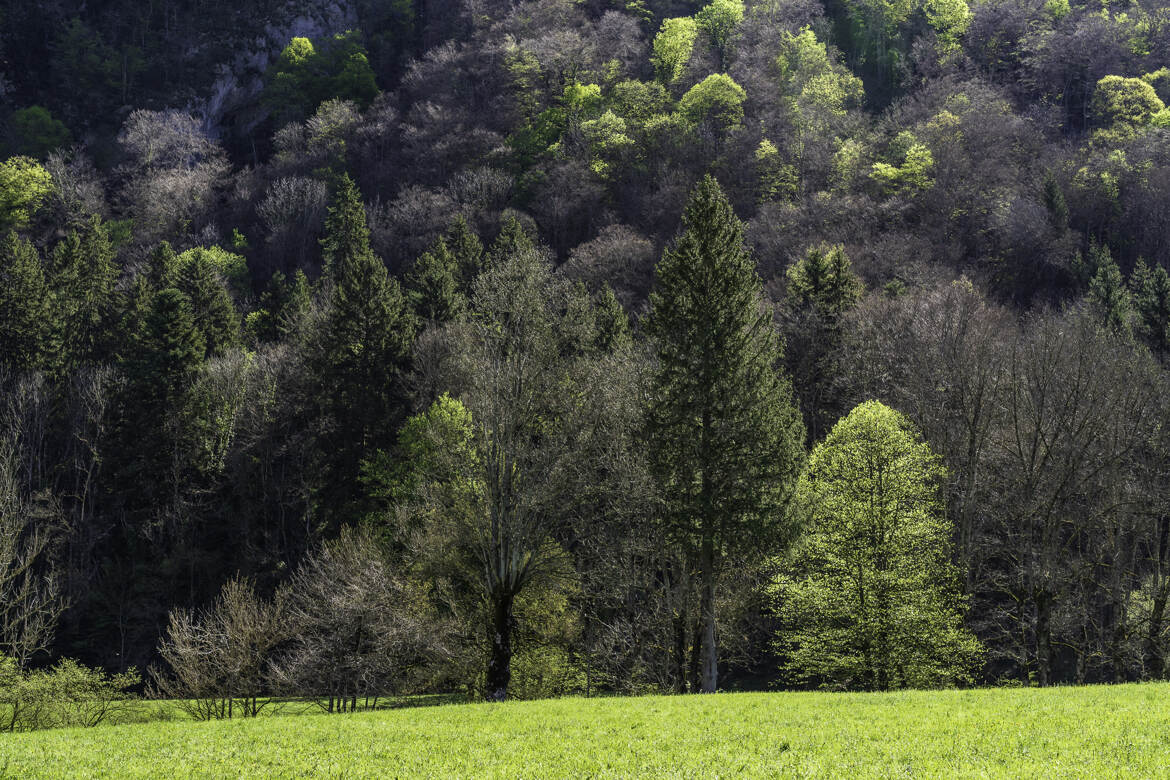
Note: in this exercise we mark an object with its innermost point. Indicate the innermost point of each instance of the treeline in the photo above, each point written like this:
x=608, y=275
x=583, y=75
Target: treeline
x=420, y=384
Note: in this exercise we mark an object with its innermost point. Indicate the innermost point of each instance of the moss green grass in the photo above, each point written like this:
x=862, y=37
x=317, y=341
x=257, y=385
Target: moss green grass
x=1090, y=732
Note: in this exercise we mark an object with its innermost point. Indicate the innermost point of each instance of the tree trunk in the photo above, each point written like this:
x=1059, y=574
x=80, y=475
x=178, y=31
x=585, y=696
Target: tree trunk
x=710, y=665
x=499, y=671
x=1043, y=639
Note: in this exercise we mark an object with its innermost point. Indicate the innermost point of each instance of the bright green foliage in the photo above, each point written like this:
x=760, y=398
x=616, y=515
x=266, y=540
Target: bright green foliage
x=432, y=285
x=912, y=175
x=581, y=101
x=465, y=245
x=997, y=732
x=24, y=185
x=608, y=140
x=672, y=48
x=34, y=132
x=819, y=87
x=1151, y=300
x=777, y=180
x=83, y=277
x=283, y=308
x=873, y=601
x=717, y=99
x=1125, y=102
x=214, y=314
x=28, y=327
x=719, y=20
x=232, y=267
x=949, y=19
x=638, y=101
x=1057, y=9
x=725, y=440
x=824, y=280
x=305, y=76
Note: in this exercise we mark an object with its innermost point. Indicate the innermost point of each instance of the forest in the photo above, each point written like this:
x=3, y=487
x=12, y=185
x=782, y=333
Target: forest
x=378, y=347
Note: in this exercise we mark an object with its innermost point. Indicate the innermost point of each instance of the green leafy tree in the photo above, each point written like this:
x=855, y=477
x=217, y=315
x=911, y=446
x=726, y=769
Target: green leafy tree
x=909, y=177
x=1109, y=296
x=872, y=600
x=672, y=48
x=1122, y=101
x=725, y=440
x=716, y=98
x=24, y=185
x=719, y=20
x=28, y=326
x=305, y=76
x=34, y=132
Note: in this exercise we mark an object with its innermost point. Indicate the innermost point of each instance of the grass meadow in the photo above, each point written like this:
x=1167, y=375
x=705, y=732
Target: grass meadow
x=1089, y=732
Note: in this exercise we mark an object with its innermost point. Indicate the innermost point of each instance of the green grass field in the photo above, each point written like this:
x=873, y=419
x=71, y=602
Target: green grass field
x=1093, y=732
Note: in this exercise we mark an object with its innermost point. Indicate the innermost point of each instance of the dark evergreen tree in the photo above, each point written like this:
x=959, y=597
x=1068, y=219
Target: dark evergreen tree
x=465, y=245
x=1151, y=299
x=358, y=350
x=726, y=441
x=512, y=240
x=283, y=308
x=613, y=325
x=211, y=303
x=29, y=326
x=84, y=275
x=432, y=285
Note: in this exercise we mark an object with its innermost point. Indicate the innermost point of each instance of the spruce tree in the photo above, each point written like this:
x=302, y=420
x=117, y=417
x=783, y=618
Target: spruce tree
x=1108, y=295
x=29, y=326
x=283, y=308
x=432, y=285
x=360, y=348
x=211, y=304
x=468, y=251
x=726, y=441
x=613, y=325
x=1151, y=298
x=823, y=280
x=84, y=275
x=512, y=240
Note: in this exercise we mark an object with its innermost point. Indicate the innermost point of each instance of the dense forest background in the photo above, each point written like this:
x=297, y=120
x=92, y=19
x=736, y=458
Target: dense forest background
x=258, y=253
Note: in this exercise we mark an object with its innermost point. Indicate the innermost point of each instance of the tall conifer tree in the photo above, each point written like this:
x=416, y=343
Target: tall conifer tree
x=726, y=441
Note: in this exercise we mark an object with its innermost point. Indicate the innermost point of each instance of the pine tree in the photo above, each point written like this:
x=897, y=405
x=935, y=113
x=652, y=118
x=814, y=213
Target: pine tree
x=29, y=327
x=1055, y=203
x=468, y=251
x=726, y=442
x=211, y=304
x=432, y=285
